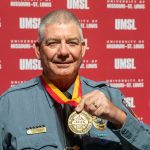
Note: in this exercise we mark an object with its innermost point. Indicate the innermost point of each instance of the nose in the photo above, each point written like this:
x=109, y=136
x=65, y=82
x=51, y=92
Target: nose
x=63, y=49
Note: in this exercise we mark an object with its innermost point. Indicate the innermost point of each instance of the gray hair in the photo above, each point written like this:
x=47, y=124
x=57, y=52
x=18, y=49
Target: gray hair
x=58, y=16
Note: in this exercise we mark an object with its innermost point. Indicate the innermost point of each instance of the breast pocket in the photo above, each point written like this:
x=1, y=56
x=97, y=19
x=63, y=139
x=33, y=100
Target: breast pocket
x=37, y=142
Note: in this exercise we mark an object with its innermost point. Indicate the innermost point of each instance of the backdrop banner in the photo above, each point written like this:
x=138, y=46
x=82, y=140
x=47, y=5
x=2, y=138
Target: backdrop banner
x=116, y=34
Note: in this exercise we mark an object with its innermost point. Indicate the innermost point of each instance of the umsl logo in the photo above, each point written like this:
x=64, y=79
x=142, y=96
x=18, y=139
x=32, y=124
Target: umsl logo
x=124, y=63
x=130, y=101
x=77, y=4
x=29, y=23
x=125, y=24
x=30, y=64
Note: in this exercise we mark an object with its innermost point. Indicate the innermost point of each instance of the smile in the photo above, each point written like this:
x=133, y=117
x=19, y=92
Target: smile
x=63, y=65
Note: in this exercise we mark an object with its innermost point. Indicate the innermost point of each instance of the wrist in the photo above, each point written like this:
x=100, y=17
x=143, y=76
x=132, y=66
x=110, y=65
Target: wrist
x=120, y=119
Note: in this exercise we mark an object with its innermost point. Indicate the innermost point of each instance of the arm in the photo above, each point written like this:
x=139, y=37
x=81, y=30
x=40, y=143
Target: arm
x=3, y=118
x=130, y=131
x=134, y=133
x=1, y=128
x=1, y=147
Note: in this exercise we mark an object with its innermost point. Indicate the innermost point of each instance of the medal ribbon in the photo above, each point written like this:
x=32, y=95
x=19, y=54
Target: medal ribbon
x=58, y=96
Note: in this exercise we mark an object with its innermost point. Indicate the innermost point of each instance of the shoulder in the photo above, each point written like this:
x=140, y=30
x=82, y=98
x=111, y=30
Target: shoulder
x=112, y=92
x=21, y=87
x=98, y=84
x=93, y=83
x=19, y=96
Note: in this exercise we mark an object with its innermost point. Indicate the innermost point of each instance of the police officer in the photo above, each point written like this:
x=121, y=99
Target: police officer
x=32, y=114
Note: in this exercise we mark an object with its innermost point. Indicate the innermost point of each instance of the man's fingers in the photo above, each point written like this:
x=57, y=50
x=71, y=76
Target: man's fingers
x=90, y=101
x=79, y=107
x=84, y=99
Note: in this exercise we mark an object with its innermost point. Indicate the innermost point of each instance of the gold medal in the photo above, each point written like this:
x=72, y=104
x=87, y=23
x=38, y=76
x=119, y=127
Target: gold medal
x=99, y=123
x=80, y=123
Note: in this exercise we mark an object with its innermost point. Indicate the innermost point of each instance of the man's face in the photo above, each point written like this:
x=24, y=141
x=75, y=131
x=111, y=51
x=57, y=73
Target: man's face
x=61, y=50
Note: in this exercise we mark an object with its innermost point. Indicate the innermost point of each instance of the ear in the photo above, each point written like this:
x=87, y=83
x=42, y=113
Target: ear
x=37, y=50
x=83, y=48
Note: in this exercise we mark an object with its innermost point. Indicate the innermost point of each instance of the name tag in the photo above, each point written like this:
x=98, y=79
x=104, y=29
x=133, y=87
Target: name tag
x=36, y=130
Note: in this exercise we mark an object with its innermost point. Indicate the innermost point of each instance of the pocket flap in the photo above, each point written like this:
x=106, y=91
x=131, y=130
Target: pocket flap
x=36, y=141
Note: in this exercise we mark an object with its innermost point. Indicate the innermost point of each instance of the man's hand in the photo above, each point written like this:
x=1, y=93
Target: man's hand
x=97, y=104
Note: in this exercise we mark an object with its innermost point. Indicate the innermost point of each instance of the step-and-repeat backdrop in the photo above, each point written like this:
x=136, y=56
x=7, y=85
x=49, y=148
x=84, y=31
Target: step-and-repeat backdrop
x=116, y=34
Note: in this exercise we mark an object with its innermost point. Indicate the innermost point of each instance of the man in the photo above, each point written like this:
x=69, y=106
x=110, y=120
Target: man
x=33, y=115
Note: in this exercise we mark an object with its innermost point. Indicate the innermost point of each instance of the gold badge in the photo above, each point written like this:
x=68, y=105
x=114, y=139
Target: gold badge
x=99, y=123
x=80, y=123
x=36, y=130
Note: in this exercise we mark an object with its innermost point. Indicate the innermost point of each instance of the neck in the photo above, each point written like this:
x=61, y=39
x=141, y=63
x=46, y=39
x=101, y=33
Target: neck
x=63, y=84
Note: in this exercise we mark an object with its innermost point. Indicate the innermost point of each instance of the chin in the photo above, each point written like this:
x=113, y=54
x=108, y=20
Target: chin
x=64, y=74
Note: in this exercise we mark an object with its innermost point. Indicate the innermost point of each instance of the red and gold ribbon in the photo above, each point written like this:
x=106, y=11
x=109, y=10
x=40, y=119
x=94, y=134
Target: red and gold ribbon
x=58, y=96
